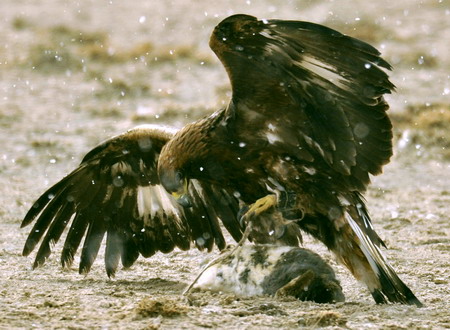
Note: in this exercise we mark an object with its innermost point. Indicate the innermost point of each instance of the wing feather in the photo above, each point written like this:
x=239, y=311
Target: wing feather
x=130, y=251
x=324, y=89
x=74, y=236
x=39, y=228
x=206, y=234
x=115, y=192
x=54, y=233
x=225, y=207
x=113, y=251
x=96, y=231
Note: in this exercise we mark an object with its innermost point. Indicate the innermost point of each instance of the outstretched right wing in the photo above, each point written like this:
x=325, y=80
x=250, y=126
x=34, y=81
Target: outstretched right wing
x=116, y=191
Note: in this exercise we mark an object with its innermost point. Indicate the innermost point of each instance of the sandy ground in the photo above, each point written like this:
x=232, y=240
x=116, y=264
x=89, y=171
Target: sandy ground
x=73, y=73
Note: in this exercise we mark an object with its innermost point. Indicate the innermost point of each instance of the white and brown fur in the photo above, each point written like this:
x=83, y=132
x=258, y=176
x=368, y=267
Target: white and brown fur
x=255, y=270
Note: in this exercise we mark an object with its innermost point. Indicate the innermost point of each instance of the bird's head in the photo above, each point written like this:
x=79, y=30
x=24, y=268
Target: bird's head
x=176, y=183
x=177, y=160
x=172, y=170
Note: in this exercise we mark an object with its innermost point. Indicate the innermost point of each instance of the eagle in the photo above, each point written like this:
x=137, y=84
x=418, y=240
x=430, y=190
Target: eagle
x=291, y=153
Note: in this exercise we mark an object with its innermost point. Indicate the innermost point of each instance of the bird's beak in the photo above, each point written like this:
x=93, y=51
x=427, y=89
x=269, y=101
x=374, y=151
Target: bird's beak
x=182, y=197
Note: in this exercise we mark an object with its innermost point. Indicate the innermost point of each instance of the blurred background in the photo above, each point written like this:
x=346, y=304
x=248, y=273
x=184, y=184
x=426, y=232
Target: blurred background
x=75, y=72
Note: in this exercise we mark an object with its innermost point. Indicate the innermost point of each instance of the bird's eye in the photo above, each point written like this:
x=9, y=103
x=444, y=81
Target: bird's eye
x=179, y=177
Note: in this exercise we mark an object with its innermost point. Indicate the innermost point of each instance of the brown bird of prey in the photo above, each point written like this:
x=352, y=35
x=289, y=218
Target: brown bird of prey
x=305, y=127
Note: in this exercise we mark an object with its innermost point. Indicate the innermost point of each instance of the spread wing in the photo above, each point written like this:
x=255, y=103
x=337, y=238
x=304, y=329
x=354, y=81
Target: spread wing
x=115, y=191
x=311, y=92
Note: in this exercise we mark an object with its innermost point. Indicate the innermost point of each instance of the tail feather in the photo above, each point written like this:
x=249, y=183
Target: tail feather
x=383, y=282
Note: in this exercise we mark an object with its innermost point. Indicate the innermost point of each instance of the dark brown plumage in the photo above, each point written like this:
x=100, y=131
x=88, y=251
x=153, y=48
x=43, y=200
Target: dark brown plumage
x=305, y=127
x=115, y=191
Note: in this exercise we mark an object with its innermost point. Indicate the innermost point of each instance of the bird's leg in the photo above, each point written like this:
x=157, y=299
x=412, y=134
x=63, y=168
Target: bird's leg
x=221, y=258
x=284, y=201
x=262, y=205
x=287, y=204
x=272, y=225
x=259, y=207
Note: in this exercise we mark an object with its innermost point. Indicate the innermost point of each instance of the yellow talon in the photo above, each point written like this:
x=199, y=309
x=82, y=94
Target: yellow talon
x=261, y=205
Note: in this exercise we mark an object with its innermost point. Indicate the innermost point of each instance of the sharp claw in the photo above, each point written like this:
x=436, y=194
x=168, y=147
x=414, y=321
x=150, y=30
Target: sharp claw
x=286, y=200
x=261, y=206
x=287, y=204
x=242, y=221
x=242, y=216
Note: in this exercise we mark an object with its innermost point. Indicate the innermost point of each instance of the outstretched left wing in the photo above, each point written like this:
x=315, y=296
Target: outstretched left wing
x=116, y=191
x=310, y=92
